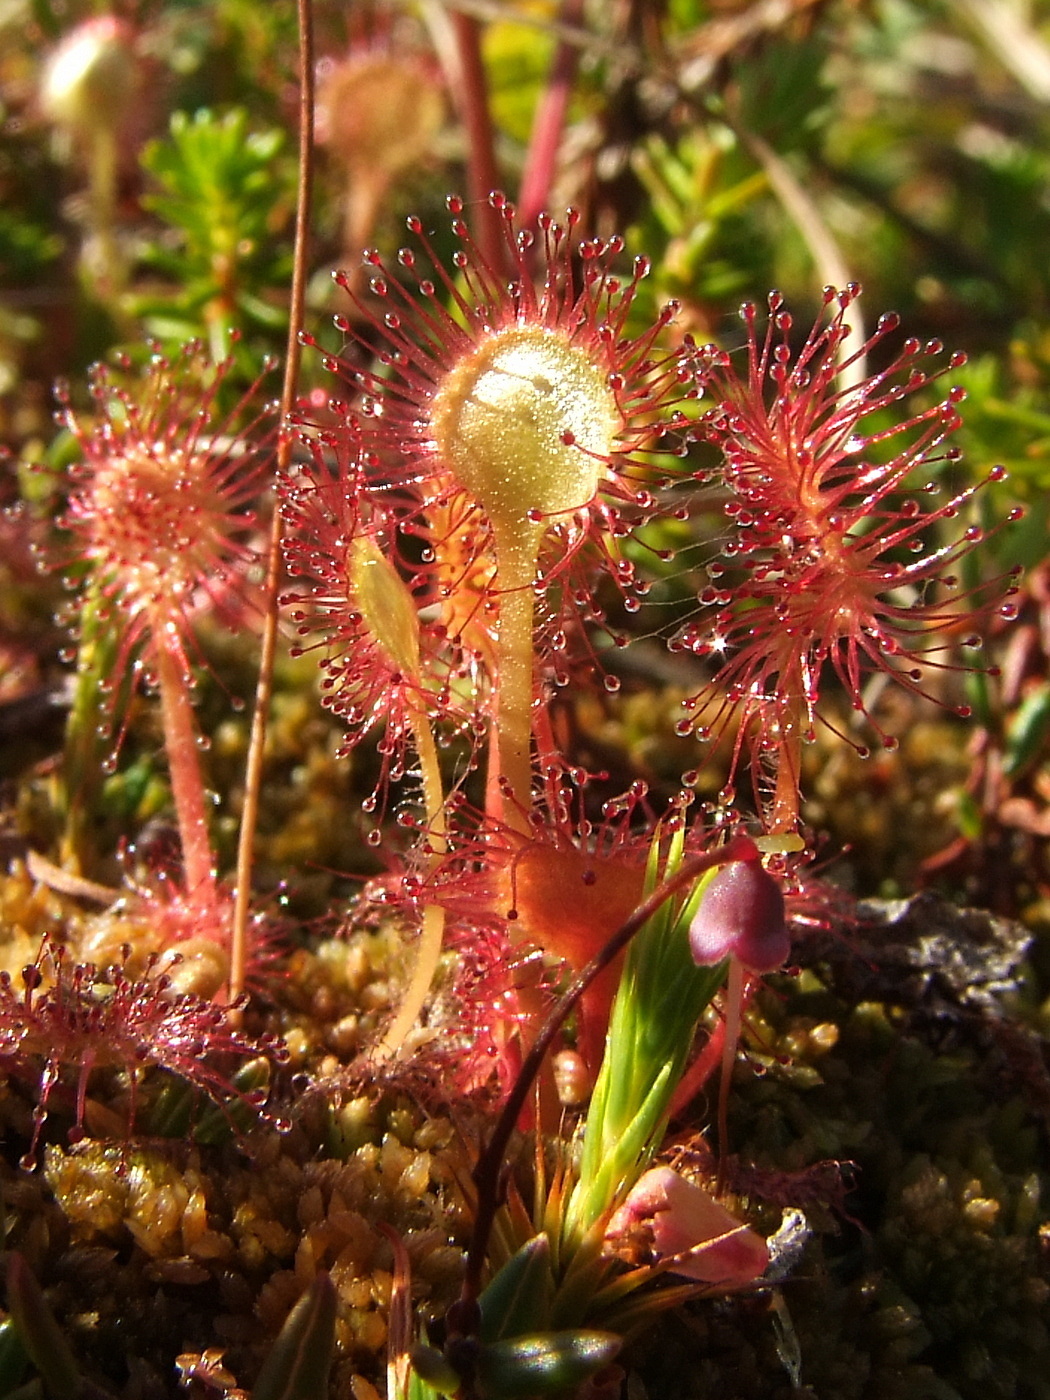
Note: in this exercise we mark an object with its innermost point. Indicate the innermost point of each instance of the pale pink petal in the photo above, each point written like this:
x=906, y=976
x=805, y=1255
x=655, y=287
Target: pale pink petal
x=684, y=1220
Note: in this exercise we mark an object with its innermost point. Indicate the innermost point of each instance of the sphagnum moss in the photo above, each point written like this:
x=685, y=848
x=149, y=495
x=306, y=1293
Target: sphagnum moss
x=925, y=1278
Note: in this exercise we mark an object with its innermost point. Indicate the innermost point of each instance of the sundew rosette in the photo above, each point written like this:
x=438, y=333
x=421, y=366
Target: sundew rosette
x=528, y=426
x=839, y=561
x=161, y=519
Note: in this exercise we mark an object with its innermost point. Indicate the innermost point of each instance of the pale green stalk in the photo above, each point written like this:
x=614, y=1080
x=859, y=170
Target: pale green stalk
x=431, y=935
x=661, y=997
x=514, y=676
x=388, y=610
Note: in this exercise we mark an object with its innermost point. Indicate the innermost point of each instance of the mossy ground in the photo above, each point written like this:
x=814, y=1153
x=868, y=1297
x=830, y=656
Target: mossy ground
x=894, y=1090
x=925, y=1274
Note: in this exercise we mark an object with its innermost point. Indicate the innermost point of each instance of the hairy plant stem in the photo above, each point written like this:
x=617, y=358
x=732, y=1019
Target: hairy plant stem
x=187, y=781
x=431, y=935
x=268, y=644
x=785, y=815
x=79, y=777
x=515, y=675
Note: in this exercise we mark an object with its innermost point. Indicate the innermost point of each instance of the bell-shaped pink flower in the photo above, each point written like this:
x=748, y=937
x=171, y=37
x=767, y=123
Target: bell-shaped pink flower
x=676, y=1217
x=741, y=915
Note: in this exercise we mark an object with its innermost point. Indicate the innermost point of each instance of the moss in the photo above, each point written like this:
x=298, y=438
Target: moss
x=924, y=1274
x=933, y=1279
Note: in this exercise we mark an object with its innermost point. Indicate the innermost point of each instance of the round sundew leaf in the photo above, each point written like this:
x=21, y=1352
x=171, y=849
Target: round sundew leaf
x=526, y=422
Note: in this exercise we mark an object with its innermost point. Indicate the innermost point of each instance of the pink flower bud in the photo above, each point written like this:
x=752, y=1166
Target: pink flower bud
x=678, y=1217
x=741, y=915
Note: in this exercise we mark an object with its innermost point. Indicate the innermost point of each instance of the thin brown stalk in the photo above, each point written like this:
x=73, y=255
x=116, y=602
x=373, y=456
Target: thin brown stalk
x=293, y=356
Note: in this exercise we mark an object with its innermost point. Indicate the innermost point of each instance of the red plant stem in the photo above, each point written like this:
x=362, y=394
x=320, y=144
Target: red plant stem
x=187, y=782
x=786, y=794
x=734, y=1001
x=549, y=121
x=477, y=119
x=268, y=646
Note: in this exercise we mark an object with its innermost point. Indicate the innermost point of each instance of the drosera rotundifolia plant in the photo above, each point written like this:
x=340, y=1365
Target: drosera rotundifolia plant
x=564, y=593
x=505, y=447
x=501, y=428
